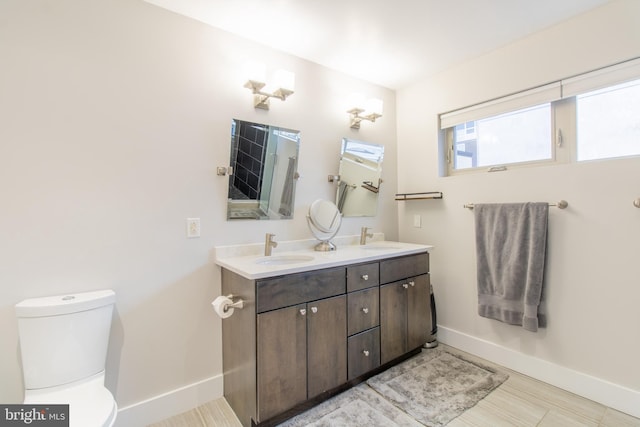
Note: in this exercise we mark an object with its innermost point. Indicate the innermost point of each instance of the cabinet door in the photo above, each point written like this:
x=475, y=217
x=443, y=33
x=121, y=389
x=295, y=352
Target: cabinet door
x=393, y=320
x=282, y=360
x=326, y=344
x=418, y=312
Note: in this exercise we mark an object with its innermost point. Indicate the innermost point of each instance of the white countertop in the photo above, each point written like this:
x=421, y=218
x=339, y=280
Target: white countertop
x=247, y=260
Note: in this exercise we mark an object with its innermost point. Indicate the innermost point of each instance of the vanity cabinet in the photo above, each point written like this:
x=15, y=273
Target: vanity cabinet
x=301, y=348
x=301, y=352
x=303, y=337
x=405, y=309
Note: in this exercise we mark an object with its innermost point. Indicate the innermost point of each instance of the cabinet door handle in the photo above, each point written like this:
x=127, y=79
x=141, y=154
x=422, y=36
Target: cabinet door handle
x=314, y=309
x=366, y=353
x=404, y=285
x=365, y=310
x=303, y=311
x=365, y=277
x=412, y=283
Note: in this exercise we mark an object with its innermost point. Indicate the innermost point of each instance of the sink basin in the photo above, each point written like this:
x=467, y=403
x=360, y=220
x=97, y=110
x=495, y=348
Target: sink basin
x=283, y=259
x=379, y=247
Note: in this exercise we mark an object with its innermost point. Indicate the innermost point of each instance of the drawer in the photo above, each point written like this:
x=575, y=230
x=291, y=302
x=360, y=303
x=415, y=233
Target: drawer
x=363, y=310
x=299, y=288
x=362, y=276
x=402, y=267
x=364, y=352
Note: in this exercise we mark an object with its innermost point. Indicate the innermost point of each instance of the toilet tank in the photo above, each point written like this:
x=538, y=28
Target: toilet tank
x=64, y=338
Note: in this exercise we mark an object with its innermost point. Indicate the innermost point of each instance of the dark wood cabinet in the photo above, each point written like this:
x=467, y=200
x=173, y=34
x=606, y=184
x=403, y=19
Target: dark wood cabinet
x=282, y=360
x=405, y=310
x=393, y=314
x=418, y=311
x=363, y=314
x=302, y=348
x=326, y=344
x=303, y=337
x=405, y=316
x=301, y=353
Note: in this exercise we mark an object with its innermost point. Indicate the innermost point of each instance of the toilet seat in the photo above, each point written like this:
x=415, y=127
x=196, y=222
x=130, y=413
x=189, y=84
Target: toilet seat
x=90, y=403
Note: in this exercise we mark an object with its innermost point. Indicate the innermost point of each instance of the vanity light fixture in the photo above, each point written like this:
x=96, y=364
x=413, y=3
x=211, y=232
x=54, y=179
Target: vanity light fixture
x=283, y=82
x=364, y=110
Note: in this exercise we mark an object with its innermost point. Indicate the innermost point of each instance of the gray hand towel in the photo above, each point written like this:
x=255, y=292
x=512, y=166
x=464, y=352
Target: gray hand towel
x=510, y=249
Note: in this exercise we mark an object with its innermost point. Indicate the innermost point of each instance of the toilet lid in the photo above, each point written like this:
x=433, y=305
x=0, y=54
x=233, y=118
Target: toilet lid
x=90, y=404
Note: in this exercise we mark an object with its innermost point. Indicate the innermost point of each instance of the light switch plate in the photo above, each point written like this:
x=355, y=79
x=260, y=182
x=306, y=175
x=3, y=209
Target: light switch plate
x=417, y=221
x=193, y=227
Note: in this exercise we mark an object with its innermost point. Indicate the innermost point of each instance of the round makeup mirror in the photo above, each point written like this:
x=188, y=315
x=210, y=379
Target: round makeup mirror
x=324, y=221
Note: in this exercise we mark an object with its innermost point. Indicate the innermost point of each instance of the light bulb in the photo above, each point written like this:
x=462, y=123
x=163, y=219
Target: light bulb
x=284, y=79
x=374, y=106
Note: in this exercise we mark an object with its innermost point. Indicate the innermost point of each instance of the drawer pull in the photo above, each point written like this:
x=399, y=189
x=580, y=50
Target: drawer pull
x=314, y=309
x=366, y=353
x=404, y=285
x=365, y=310
x=303, y=311
x=412, y=283
x=365, y=277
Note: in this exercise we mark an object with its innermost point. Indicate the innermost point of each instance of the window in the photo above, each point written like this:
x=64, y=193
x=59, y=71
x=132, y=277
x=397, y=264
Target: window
x=515, y=137
x=608, y=122
x=595, y=115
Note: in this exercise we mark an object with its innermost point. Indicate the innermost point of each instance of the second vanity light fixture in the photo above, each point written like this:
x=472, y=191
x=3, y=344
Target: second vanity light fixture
x=283, y=84
x=362, y=109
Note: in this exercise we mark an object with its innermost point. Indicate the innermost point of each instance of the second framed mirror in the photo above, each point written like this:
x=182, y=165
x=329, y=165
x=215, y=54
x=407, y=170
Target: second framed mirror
x=360, y=178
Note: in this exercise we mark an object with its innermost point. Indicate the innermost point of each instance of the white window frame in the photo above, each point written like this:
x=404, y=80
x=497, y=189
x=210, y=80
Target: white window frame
x=561, y=94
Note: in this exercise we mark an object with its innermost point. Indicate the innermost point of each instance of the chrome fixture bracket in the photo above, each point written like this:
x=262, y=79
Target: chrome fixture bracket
x=260, y=98
x=236, y=304
x=224, y=170
x=356, y=118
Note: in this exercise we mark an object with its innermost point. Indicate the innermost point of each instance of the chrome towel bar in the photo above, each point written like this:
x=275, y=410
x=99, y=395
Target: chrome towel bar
x=562, y=204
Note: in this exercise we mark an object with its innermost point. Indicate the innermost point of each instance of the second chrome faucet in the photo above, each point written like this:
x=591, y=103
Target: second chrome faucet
x=269, y=244
x=364, y=235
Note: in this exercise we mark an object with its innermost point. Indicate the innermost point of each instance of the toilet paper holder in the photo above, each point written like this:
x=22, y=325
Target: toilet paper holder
x=235, y=304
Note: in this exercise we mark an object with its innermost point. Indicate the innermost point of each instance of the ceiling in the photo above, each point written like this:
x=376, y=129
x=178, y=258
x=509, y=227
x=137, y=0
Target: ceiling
x=389, y=43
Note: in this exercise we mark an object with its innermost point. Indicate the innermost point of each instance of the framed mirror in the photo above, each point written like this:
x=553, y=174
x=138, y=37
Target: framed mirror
x=360, y=178
x=264, y=161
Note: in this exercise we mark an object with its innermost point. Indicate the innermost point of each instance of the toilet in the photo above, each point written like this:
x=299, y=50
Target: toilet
x=63, y=342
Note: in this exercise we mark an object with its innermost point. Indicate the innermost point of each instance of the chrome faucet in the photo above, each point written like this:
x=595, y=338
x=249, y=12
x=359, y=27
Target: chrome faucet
x=364, y=235
x=269, y=244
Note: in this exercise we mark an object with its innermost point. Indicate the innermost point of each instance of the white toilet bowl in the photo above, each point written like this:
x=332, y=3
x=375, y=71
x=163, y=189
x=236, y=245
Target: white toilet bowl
x=90, y=403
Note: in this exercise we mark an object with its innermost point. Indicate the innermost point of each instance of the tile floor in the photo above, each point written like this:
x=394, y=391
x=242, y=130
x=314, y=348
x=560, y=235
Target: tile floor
x=519, y=401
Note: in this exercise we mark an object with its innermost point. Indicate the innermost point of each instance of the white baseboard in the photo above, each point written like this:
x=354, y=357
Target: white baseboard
x=609, y=394
x=171, y=403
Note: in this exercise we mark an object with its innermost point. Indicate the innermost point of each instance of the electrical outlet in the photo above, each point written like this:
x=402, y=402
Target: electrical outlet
x=193, y=227
x=417, y=221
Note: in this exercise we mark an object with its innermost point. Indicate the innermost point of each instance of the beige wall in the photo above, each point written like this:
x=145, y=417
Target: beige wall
x=114, y=116
x=592, y=288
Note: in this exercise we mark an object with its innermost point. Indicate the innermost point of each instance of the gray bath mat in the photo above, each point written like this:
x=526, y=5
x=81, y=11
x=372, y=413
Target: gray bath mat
x=360, y=406
x=431, y=389
x=436, y=386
